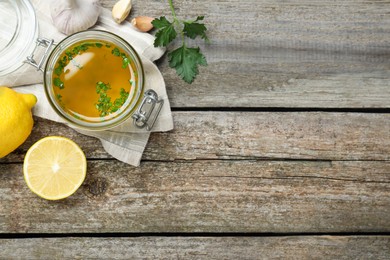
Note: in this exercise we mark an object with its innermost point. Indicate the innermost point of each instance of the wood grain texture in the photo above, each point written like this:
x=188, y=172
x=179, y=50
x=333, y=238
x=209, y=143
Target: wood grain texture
x=207, y=196
x=230, y=135
x=318, y=247
x=297, y=173
x=267, y=53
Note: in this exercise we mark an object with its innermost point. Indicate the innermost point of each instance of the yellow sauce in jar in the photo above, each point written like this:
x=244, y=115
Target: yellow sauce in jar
x=93, y=80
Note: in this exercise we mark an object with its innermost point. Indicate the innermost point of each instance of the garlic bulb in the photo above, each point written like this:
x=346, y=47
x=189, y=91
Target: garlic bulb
x=70, y=16
x=143, y=23
x=121, y=10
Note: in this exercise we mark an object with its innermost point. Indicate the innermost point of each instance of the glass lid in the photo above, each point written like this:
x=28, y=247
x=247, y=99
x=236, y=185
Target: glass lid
x=18, y=32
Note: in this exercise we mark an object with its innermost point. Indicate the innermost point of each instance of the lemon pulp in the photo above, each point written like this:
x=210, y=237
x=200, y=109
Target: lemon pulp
x=54, y=167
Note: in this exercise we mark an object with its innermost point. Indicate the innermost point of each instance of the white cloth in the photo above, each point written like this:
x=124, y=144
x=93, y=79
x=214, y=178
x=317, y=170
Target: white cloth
x=124, y=142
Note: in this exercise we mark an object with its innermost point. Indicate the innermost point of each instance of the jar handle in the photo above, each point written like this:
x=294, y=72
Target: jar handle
x=142, y=117
x=41, y=42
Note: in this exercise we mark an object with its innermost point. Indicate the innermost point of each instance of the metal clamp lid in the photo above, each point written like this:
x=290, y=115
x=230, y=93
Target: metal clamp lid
x=142, y=117
x=46, y=43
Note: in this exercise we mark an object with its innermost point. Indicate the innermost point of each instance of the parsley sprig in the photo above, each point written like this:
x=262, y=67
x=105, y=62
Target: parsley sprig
x=184, y=60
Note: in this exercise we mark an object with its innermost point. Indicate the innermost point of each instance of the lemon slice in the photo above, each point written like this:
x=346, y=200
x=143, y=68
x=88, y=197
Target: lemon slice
x=54, y=167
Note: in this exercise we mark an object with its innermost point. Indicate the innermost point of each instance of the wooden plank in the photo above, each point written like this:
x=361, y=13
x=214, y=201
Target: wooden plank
x=267, y=53
x=317, y=247
x=224, y=135
x=207, y=196
x=327, y=136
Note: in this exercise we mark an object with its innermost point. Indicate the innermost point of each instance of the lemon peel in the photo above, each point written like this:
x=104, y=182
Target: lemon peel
x=16, y=121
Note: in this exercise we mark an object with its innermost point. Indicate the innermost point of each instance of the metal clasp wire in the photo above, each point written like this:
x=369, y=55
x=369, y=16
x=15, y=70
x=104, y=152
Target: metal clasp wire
x=142, y=115
x=46, y=43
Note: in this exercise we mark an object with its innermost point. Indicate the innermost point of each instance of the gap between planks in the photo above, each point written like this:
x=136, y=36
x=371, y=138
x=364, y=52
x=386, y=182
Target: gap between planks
x=192, y=234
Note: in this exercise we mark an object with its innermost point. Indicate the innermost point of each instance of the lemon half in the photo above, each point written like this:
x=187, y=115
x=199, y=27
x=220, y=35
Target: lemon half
x=54, y=167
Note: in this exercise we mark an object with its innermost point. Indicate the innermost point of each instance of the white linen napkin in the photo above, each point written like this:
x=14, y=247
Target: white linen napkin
x=124, y=142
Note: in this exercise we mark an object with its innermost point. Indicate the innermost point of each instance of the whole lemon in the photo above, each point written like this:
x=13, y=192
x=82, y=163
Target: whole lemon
x=16, y=120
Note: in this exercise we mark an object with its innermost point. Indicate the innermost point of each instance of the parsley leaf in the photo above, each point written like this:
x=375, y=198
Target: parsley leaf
x=185, y=61
x=58, y=83
x=104, y=105
x=166, y=33
x=58, y=70
x=192, y=29
x=116, y=52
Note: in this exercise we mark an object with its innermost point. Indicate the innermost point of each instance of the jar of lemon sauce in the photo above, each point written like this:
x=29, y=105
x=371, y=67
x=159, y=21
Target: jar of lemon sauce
x=19, y=41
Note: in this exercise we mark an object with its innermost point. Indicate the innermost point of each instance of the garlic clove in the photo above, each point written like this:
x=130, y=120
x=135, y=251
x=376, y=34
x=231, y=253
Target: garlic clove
x=70, y=16
x=143, y=23
x=121, y=10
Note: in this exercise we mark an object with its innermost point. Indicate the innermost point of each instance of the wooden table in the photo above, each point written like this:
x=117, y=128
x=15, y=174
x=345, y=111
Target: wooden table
x=281, y=148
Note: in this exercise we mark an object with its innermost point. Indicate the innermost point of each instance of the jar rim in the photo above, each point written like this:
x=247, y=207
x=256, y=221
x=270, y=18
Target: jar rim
x=131, y=103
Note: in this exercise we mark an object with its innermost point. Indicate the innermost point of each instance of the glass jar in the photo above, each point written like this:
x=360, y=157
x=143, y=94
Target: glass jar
x=18, y=32
x=19, y=42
